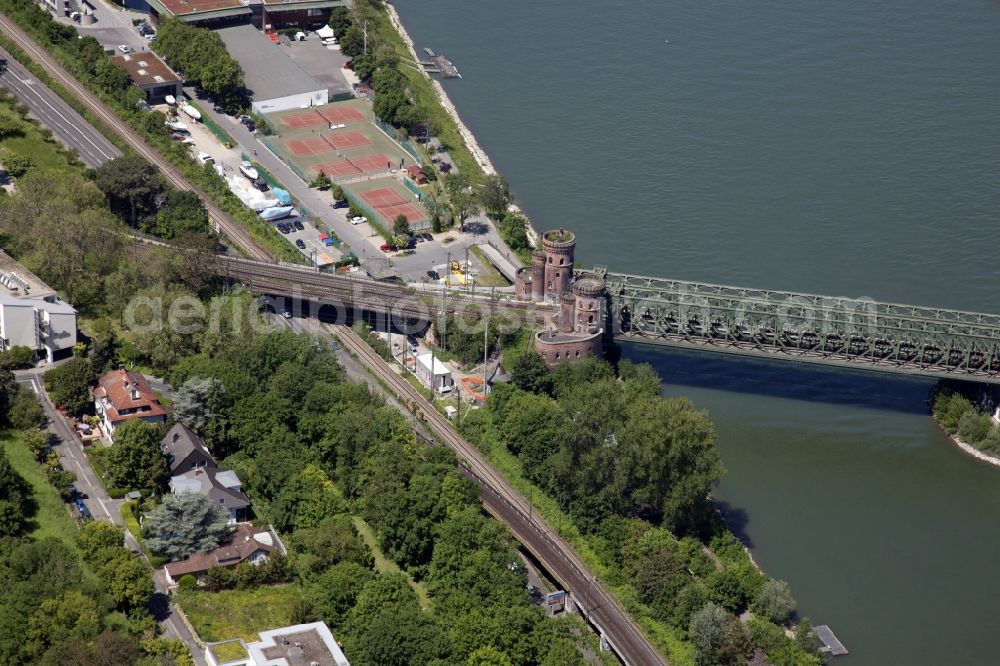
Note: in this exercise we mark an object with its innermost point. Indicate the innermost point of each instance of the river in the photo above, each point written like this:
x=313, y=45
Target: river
x=848, y=149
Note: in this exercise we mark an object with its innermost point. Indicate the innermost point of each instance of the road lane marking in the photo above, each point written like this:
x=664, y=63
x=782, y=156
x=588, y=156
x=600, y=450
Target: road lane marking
x=69, y=124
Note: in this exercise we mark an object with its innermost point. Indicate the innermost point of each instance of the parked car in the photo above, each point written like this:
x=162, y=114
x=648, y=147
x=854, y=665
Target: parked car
x=358, y=219
x=419, y=238
x=205, y=158
x=125, y=48
x=386, y=247
x=75, y=16
x=298, y=225
x=261, y=185
x=284, y=228
x=299, y=243
x=248, y=122
x=340, y=204
x=82, y=508
x=432, y=274
x=426, y=236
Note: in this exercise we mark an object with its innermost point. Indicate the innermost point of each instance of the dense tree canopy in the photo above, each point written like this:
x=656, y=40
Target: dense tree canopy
x=201, y=55
x=69, y=384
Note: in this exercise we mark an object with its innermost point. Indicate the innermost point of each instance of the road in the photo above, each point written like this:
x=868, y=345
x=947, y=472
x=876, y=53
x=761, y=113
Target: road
x=66, y=124
x=103, y=507
x=222, y=222
x=498, y=497
x=510, y=507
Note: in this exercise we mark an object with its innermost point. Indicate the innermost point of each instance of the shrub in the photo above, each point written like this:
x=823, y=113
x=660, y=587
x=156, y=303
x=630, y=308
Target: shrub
x=18, y=165
x=973, y=427
x=219, y=578
x=774, y=601
x=187, y=582
x=949, y=408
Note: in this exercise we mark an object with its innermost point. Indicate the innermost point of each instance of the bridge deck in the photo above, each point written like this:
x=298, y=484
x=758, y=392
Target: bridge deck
x=888, y=337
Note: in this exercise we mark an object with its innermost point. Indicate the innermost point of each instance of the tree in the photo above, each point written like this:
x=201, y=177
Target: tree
x=495, y=195
x=16, y=504
x=69, y=384
x=806, y=638
x=718, y=638
x=128, y=579
x=37, y=441
x=401, y=226
x=529, y=372
x=335, y=591
x=333, y=540
x=98, y=535
x=181, y=212
x=513, y=229
x=24, y=412
x=17, y=165
x=774, y=601
x=135, y=459
x=337, y=192
x=132, y=187
x=321, y=181
x=488, y=656
x=352, y=42
x=17, y=358
x=184, y=524
x=193, y=402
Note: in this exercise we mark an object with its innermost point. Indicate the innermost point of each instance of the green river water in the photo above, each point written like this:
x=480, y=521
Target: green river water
x=841, y=148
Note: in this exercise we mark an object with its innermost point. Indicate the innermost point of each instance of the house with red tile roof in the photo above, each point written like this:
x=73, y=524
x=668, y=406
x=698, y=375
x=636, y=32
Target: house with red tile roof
x=247, y=544
x=122, y=395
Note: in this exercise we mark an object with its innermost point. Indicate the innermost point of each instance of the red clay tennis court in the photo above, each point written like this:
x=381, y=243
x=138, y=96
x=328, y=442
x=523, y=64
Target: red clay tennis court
x=337, y=169
x=341, y=140
x=314, y=145
x=342, y=114
x=304, y=120
x=388, y=203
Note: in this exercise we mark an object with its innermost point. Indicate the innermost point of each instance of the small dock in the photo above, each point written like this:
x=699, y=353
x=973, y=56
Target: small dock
x=438, y=64
x=831, y=645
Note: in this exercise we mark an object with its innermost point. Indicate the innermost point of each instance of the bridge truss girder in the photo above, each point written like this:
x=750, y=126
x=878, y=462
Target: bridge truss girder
x=845, y=331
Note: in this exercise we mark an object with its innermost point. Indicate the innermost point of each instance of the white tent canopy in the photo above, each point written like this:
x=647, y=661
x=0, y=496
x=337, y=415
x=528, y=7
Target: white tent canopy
x=325, y=32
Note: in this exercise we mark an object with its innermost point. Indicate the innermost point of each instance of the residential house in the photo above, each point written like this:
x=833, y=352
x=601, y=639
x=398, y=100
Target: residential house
x=150, y=74
x=121, y=396
x=193, y=470
x=222, y=487
x=185, y=450
x=311, y=643
x=247, y=544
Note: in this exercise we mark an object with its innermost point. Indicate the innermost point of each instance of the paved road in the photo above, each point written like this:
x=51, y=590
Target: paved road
x=103, y=507
x=66, y=124
x=362, y=239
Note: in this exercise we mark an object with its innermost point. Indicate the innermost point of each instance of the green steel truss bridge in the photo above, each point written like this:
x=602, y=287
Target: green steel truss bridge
x=858, y=333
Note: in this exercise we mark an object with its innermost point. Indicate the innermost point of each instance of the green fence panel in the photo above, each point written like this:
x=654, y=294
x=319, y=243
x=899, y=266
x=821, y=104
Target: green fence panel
x=410, y=185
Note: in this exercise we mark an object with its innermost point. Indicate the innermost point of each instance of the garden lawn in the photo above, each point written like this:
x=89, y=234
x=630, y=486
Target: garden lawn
x=53, y=518
x=220, y=616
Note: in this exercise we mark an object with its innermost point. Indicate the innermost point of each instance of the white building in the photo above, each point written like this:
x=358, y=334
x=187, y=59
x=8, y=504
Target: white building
x=299, y=644
x=429, y=366
x=276, y=82
x=47, y=327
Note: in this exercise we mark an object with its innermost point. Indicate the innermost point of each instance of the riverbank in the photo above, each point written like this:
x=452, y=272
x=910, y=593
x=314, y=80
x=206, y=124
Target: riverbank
x=973, y=451
x=477, y=152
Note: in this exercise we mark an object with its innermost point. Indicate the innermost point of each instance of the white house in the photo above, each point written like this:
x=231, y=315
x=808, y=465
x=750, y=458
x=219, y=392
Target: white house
x=429, y=366
x=45, y=326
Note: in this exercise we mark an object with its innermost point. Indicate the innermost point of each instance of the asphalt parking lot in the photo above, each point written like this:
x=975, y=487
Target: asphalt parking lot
x=325, y=64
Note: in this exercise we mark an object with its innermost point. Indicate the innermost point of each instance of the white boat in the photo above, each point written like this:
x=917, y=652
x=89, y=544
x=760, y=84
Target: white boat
x=276, y=212
x=176, y=126
x=169, y=99
x=191, y=111
x=264, y=204
x=248, y=170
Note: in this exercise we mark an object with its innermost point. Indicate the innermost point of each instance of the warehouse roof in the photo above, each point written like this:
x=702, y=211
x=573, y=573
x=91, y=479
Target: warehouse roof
x=268, y=71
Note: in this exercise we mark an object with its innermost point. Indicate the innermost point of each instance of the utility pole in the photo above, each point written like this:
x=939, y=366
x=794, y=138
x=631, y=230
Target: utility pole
x=364, y=30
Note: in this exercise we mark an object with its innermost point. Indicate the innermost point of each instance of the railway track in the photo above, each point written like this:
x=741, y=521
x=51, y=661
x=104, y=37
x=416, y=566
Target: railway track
x=222, y=222
x=499, y=498
x=510, y=507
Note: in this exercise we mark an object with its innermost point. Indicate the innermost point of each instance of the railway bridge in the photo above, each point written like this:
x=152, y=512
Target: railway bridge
x=856, y=333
